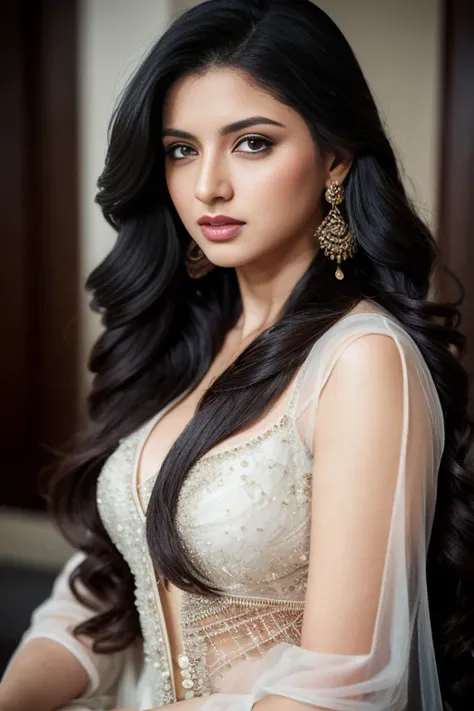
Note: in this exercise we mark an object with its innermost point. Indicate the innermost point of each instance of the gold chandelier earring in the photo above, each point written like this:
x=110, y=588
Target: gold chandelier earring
x=333, y=234
x=197, y=264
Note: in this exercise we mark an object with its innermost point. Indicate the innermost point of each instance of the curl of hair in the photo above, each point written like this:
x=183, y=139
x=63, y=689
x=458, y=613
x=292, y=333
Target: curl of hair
x=160, y=336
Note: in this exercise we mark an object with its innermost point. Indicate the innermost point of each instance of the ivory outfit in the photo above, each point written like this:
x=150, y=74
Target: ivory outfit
x=244, y=515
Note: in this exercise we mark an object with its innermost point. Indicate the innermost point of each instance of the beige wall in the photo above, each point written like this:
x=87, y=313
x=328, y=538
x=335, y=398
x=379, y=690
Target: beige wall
x=398, y=46
x=113, y=37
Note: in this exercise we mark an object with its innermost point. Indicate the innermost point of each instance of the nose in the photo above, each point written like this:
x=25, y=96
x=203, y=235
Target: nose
x=212, y=182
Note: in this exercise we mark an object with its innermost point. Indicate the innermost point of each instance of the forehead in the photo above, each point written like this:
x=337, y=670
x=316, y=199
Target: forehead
x=216, y=98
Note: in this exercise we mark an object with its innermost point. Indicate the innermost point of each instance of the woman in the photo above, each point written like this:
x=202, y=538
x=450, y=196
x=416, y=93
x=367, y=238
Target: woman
x=278, y=418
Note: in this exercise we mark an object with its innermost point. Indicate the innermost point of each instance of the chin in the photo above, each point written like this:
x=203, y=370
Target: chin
x=231, y=263
x=225, y=255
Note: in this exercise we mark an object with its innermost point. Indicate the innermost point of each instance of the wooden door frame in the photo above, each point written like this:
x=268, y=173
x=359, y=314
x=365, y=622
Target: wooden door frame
x=456, y=183
x=40, y=245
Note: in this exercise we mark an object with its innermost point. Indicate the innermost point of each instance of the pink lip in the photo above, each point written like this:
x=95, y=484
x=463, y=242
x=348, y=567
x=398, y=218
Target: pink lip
x=219, y=233
x=218, y=220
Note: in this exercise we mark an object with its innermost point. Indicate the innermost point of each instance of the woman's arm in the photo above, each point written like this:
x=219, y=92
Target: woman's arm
x=357, y=440
x=51, y=666
x=366, y=641
x=43, y=676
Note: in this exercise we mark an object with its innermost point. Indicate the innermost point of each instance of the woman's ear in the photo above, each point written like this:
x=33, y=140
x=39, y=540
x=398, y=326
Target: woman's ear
x=337, y=167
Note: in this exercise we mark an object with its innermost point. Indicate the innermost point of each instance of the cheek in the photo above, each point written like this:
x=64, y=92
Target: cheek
x=180, y=191
x=290, y=186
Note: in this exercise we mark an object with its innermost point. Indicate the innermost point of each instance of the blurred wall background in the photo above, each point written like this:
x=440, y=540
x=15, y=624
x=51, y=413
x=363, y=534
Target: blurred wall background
x=399, y=48
x=419, y=61
x=113, y=37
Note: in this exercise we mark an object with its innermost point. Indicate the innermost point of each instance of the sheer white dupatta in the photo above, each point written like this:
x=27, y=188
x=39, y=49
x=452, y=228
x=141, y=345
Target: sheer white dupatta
x=397, y=670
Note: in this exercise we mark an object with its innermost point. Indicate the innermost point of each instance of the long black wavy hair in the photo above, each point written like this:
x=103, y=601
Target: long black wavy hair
x=160, y=335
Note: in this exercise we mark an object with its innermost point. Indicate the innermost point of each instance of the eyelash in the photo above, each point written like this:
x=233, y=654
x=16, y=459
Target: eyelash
x=253, y=137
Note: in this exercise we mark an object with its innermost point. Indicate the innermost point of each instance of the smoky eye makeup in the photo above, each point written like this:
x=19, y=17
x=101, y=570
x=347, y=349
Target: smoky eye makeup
x=266, y=144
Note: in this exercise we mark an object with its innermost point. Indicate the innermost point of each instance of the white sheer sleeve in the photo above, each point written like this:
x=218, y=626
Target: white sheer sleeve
x=55, y=619
x=370, y=413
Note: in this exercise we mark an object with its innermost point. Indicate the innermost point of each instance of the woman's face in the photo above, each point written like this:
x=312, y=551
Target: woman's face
x=269, y=175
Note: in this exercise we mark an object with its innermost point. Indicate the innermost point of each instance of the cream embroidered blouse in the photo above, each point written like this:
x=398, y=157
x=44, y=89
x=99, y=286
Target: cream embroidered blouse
x=244, y=514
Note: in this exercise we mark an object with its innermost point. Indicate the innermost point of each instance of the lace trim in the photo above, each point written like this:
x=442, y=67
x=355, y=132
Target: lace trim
x=247, y=626
x=146, y=487
x=122, y=520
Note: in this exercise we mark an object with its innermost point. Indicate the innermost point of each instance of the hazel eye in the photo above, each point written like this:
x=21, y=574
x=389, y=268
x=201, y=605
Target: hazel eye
x=257, y=145
x=254, y=141
x=170, y=151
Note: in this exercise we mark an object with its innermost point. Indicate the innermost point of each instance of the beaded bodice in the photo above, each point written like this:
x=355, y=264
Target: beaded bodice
x=244, y=516
x=253, y=538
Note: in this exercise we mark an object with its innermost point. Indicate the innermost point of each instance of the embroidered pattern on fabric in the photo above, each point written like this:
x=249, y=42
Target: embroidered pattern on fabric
x=216, y=632
x=125, y=527
x=264, y=596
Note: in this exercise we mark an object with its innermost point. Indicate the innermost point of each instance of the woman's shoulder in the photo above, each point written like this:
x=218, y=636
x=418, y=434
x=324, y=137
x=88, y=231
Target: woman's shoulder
x=361, y=337
x=367, y=319
x=368, y=311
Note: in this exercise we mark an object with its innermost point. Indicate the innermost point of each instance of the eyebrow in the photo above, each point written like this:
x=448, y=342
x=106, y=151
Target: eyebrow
x=225, y=130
